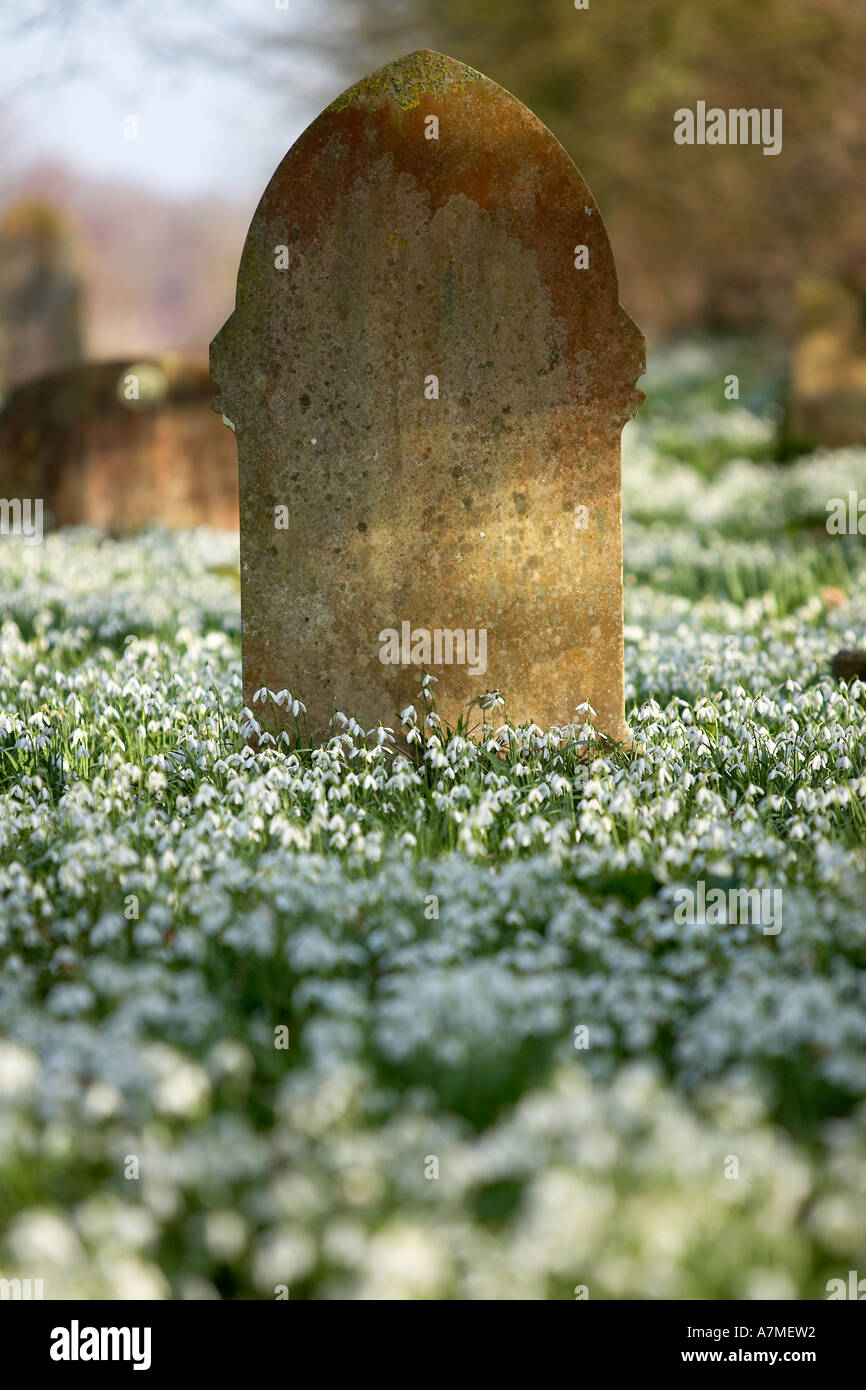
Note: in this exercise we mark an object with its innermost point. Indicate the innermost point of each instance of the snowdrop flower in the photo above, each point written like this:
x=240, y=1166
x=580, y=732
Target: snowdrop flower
x=19, y=1068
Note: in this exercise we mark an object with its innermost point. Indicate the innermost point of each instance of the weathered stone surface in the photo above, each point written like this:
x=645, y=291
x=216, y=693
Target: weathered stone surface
x=120, y=444
x=493, y=508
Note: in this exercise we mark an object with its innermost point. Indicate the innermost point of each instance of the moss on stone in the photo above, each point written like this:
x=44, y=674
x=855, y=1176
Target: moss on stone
x=407, y=80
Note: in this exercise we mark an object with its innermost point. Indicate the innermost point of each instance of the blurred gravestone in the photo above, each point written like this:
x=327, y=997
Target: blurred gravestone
x=120, y=444
x=428, y=371
x=40, y=296
x=828, y=388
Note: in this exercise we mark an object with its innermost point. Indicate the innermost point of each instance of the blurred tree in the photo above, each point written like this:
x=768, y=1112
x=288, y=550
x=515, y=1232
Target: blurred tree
x=699, y=232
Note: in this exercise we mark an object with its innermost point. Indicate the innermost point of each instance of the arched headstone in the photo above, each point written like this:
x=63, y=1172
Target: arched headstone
x=428, y=371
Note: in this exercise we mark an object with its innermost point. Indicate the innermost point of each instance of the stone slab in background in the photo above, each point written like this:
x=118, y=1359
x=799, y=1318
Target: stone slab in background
x=849, y=666
x=120, y=444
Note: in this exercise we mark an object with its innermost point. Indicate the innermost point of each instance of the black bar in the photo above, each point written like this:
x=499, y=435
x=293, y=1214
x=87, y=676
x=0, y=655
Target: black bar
x=247, y=1337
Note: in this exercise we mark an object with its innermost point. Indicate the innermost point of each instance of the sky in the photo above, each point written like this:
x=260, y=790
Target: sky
x=212, y=116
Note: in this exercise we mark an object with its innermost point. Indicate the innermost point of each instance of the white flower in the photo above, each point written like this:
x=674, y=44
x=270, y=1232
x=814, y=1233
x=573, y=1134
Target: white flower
x=19, y=1068
x=283, y=1256
x=225, y=1234
x=182, y=1088
x=41, y=1239
x=405, y=1262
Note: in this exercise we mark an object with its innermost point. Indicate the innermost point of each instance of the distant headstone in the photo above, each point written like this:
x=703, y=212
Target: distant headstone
x=428, y=371
x=849, y=666
x=828, y=387
x=120, y=445
x=40, y=295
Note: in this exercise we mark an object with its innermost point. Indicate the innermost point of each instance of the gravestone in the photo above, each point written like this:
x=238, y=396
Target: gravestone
x=827, y=398
x=40, y=295
x=428, y=371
